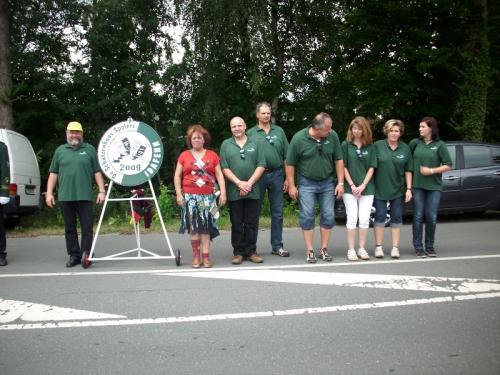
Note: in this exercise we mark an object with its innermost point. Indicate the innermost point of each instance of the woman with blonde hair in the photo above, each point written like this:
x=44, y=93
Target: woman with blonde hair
x=393, y=184
x=359, y=165
x=196, y=177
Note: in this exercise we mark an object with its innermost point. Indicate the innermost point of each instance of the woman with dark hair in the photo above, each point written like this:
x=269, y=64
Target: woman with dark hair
x=430, y=160
x=393, y=180
x=196, y=175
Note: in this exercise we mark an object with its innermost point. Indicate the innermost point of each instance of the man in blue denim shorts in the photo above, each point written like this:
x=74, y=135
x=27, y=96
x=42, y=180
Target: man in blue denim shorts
x=312, y=152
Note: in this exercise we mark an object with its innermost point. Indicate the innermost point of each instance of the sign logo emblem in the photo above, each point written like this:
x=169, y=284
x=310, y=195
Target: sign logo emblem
x=130, y=153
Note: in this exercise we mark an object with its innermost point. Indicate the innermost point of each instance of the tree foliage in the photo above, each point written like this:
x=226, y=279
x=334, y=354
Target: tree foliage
x=102, y=61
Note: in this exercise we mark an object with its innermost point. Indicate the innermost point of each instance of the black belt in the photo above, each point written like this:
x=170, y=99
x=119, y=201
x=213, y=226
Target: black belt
x=272, y=170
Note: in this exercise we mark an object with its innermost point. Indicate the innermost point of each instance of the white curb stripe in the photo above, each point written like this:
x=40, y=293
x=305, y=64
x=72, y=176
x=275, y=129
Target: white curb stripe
x=91, y=272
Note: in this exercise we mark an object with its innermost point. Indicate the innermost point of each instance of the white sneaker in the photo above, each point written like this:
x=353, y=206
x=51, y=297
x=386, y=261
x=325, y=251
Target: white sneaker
x=351, y=255
x=363, y=254
x=379, y=253
x=395, y=253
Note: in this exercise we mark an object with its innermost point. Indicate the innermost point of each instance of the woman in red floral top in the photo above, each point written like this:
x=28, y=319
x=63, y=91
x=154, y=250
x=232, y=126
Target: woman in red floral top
x=196, y=173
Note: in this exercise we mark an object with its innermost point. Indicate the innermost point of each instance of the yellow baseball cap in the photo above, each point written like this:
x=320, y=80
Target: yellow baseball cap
x=73, y=125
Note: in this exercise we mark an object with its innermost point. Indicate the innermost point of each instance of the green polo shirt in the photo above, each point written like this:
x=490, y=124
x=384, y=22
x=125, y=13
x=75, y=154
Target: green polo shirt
x=391, y=167
x=75, y=169
x=430, y=155
x=243, y=168
x=311, y=158
x=4, y=170
x=358, y=161
x=274, y=145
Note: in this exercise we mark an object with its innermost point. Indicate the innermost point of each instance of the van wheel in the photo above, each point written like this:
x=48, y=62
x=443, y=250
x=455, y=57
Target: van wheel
x=11, y=222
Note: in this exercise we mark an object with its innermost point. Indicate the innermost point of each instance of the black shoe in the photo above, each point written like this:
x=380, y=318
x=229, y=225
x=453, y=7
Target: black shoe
x=323, y=255
x=73, y=261
x=421, y=253
x=3, y=260
x=431, y=252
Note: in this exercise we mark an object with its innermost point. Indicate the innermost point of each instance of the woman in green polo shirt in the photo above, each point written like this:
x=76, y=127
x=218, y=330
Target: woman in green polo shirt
x=393, y=179
x=430, y=160
x=359, y=164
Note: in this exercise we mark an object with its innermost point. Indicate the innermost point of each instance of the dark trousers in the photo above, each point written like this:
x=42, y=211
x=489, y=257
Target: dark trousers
x=273, y=183
x=70, y=210
x=244, y=215
x=3, y=240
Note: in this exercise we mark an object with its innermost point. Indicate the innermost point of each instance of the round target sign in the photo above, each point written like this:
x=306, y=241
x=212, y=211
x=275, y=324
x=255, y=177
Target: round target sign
x=130, y=153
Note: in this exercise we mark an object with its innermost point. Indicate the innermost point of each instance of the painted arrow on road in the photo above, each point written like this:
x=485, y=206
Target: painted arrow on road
x=11, y=311
x=423, y=283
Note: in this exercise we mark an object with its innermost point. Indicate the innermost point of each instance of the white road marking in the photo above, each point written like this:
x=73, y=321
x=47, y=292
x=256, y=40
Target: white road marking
x=424, y=283
x=249, y=315
x=39, y=316
x=11, y=310
x=91, y=272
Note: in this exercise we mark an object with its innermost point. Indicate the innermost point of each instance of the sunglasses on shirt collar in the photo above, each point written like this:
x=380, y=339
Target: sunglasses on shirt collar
x=319, y=144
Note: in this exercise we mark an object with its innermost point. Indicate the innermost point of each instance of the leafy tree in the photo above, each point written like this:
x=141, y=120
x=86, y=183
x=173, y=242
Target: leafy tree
x=471, y=104
x=101, y=61
x=96, y=62
x=492, y=130
x=41, y=45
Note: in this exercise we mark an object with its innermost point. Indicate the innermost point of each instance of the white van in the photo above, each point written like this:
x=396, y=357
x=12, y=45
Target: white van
x=24, y=188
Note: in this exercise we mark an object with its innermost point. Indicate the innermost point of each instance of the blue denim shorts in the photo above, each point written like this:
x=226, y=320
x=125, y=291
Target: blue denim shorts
x=396, y=211
x=310, y=192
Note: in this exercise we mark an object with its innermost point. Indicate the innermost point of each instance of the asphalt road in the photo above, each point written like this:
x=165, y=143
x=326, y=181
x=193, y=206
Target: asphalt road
x=407, y=316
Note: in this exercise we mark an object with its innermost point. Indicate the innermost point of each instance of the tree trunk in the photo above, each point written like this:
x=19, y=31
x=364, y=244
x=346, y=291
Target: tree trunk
x=6, y=117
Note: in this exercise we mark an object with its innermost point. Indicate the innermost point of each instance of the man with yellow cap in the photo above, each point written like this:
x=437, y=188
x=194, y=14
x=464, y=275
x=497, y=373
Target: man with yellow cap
x=74, y=167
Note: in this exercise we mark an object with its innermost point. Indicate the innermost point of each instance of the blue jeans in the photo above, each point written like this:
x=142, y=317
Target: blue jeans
x=273, y=183
x=396, y=207
x=310, y=192
x=425, y=205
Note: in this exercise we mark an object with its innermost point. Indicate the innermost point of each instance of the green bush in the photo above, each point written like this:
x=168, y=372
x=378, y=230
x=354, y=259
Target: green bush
x=167, y=203
x=117, y=215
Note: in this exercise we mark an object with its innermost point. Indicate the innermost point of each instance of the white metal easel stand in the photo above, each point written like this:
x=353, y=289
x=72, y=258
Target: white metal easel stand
x=141, y=253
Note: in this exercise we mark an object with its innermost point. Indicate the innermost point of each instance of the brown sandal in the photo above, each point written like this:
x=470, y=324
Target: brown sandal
x=196, y=262
x=206, y=261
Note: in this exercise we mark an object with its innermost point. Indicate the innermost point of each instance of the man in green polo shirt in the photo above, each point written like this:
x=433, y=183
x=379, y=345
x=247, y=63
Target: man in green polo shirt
x=312, y=153
x=74, y=167
x=275, y=146
x=243, y=163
